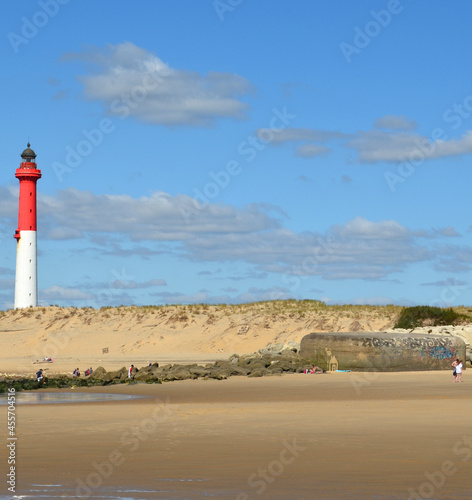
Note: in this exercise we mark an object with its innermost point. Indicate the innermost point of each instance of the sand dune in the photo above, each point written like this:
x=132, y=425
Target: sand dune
x=78, y=337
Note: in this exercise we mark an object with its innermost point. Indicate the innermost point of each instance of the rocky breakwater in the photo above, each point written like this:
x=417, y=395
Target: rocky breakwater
x=381, y=351
x=275, y=359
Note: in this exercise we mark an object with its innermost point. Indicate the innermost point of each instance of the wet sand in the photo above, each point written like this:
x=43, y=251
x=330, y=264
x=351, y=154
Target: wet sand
x=332, y=436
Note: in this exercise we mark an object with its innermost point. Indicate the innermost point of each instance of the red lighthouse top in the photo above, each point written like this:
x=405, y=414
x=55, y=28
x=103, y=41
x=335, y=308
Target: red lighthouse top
x=28, y=174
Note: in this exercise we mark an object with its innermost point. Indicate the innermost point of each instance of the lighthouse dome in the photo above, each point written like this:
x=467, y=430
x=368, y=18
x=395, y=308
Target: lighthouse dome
x=28, y=154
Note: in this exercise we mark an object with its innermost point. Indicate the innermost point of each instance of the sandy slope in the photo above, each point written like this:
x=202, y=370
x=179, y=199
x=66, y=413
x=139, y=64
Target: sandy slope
x=77, y=337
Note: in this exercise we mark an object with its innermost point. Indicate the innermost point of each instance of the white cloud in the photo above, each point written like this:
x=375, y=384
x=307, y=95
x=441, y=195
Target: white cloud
x=308, y=142
x=62, y=233
x=56, y=292
x=9, y=202
x=453, y=259
x=132, y=285
x=132, y=81
x=252, y=295
x=448, y=231
x=291, y=134
x=395, y=122
x=181, y=298
x=357, y=249
x=155, y=217
x=450, y=282
x=376, y=145
x=395, y=142
x=7, y=284
x=5, y=271
x=311, y=150
x=360, y=228
x=374, y=301
x=154, y=225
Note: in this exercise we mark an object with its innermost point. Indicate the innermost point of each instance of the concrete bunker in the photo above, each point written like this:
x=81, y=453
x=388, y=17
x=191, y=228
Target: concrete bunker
x=379, y=351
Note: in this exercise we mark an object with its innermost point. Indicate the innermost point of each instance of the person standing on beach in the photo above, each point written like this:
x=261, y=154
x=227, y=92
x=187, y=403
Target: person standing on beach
x=459, y=371
x=454, y=366
x=130, y=371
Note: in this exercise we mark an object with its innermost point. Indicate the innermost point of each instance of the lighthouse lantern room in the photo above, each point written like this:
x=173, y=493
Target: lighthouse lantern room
x=26, y=282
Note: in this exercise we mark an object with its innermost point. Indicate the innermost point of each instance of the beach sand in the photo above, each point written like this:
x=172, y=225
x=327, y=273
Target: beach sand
x=329, y=436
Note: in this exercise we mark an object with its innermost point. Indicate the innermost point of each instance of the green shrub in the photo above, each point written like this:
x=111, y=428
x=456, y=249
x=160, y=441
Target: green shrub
x=413, y=317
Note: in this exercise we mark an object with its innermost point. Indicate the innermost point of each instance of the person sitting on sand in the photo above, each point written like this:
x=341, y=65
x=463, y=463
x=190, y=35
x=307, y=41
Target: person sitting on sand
x=76, y=373
x=314, y=369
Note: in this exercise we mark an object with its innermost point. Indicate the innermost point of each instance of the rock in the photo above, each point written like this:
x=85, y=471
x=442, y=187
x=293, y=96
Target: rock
x=179, y=372
x=275, y=369
x=198, y=370
x=149, y=369
x=280, y=348
x=272, y=348
x=234, y=371
x=98, y=373
x=259, y=364
x=234, y=359
x=259, y=372
x=290, y=355
x=289, y=366
x=292, y=345
x=216, y=375
x=146, y=376
x=117, y=375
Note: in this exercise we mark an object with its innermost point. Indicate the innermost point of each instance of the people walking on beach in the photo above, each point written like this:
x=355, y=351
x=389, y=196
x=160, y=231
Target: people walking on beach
x=130, y=371
x=459, y=371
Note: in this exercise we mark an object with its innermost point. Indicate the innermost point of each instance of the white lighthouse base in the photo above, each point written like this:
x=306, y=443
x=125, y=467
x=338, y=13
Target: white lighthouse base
x=26, y=282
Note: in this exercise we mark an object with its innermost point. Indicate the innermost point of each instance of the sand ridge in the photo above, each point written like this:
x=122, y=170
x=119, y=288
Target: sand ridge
x=78, y=337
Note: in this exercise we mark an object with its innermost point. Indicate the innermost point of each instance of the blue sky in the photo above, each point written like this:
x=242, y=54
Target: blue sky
x=235, y=151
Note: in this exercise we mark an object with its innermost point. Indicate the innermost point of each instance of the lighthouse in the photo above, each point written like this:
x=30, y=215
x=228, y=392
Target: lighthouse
x=26, y=282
